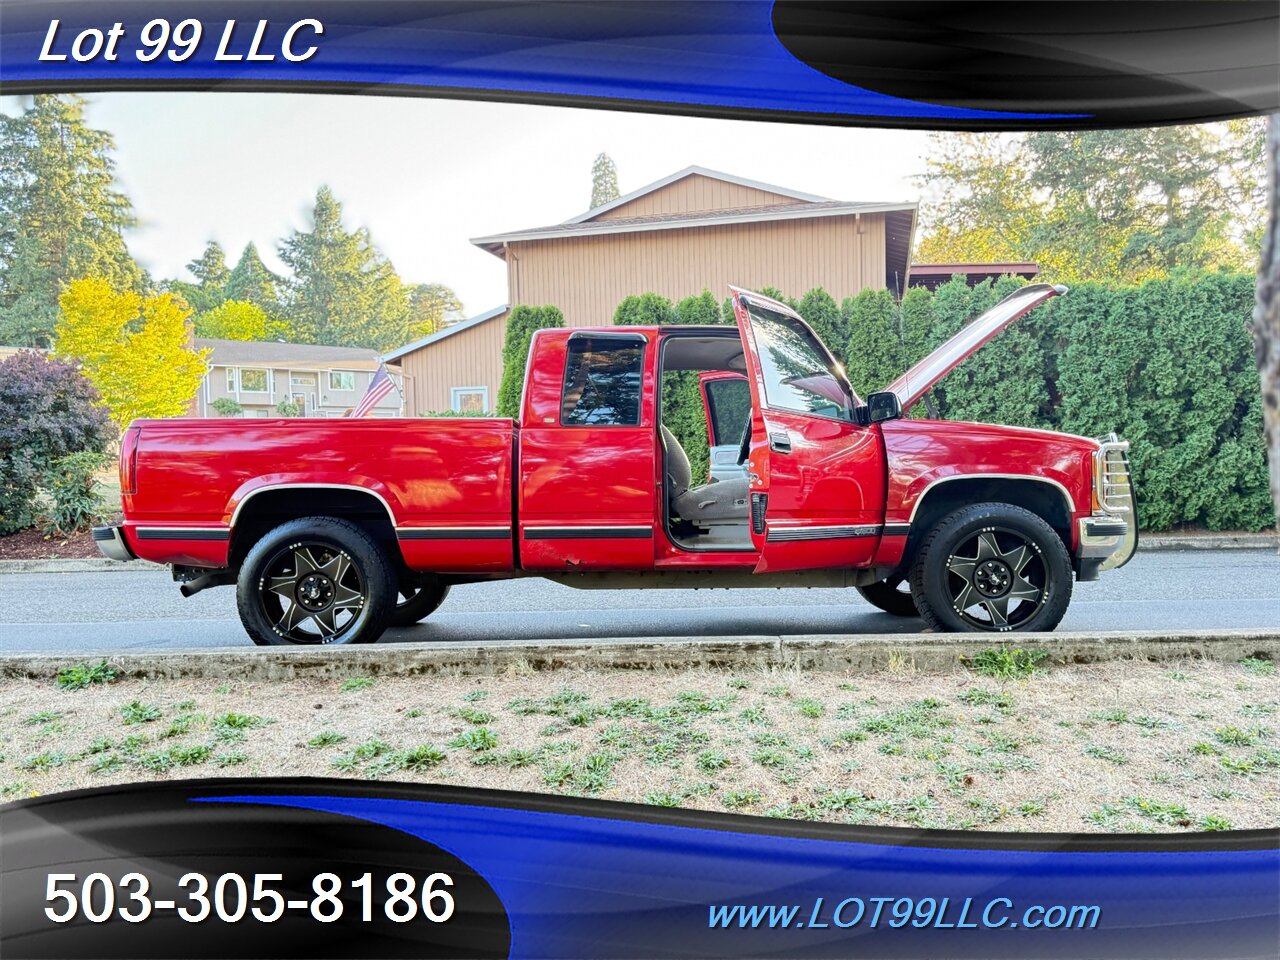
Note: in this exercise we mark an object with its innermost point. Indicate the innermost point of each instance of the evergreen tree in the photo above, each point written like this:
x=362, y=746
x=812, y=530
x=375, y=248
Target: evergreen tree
x=645, y=310
x=61, y=215
x=604, y=181
x=211, y=273
x=820, y=311
x=873, y=349
x=522, y=321
x=343, y=291
x=432, y=307
x=700, y=310
x=252, y=282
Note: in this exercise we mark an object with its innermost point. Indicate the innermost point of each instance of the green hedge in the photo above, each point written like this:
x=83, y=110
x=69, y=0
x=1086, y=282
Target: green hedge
x=1167, y=364
x=522, y=321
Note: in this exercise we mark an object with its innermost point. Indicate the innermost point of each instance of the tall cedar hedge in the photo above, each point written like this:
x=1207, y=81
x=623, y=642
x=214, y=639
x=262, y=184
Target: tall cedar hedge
x=1168, y=364
x=522, y=321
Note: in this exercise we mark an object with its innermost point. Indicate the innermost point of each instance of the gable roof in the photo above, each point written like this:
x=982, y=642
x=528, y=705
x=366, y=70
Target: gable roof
x=273, y=352
x=449, y=331
x=701, y=218
x=689, y=172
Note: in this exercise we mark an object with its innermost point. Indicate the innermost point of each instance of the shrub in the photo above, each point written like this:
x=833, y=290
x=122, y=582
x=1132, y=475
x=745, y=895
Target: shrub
x=522, y=321
x=226, y=407
x=50, y=411
x=829, y=322
x=874, y=352
x=287, y=408
x=70, y=484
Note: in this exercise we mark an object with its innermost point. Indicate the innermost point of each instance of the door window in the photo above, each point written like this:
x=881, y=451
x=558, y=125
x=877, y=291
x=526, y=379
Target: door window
x=798, y=373
x=602, y=378
x=729, y=407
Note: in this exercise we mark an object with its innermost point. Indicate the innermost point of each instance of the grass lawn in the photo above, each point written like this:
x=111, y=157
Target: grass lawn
x=1124, y=746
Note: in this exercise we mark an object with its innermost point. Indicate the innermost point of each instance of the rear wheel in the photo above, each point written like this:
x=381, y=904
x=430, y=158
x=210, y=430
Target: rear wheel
x=892, y=595
x=992, y=567
x=417, y=597
x=317, y=580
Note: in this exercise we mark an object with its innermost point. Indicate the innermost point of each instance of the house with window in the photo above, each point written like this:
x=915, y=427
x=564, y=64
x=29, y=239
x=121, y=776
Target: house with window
x=316, y=381
x=693, y=230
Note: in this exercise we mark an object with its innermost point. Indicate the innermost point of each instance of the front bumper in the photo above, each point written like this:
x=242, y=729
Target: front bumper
x=1109, y=538
x=112, y=544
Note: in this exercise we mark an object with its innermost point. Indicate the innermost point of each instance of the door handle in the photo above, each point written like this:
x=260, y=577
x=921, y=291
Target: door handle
x=780, y=442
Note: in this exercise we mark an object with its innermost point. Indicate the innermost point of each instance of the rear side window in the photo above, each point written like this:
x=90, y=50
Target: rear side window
x=602, y=382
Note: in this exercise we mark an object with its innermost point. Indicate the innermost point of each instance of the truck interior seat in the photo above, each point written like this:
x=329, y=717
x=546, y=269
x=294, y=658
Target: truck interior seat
x=705, y=505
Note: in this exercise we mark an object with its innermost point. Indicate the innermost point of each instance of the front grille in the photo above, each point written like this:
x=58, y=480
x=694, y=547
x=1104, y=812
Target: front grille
x=759, y=503
x=1114, y=481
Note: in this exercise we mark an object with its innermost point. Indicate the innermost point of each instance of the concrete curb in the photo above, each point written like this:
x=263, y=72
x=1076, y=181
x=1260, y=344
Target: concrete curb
x=1211, y=541
x=76, y=565
x=1224, y=541
x=926, y=653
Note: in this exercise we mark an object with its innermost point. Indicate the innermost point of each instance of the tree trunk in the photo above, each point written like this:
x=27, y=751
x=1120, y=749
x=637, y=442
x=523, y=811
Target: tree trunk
x=1266, y=314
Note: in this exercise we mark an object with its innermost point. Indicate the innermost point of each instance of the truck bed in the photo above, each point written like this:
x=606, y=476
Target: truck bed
x=444, y=484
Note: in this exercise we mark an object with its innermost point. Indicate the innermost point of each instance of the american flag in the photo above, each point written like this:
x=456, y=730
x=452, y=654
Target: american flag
x=379, y=386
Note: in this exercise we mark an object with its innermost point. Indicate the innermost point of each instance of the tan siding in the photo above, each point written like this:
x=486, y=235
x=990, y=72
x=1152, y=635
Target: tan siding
x=587, y=277
x=694, y=193
x=472, y=358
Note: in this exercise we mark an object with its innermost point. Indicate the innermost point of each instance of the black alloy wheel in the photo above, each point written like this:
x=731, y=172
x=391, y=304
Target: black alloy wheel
x=315, y=581
x=992, y=567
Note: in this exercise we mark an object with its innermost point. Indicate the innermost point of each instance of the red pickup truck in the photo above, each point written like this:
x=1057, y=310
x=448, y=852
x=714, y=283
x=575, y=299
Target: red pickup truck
x=333, y=530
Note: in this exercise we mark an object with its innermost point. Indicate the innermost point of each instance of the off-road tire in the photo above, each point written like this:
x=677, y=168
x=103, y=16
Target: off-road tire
x=366, y=570
x=416, y=599
x=936, y=588
x=887, y=596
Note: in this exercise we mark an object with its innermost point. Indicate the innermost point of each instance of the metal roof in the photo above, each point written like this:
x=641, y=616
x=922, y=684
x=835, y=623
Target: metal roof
x=446, y=332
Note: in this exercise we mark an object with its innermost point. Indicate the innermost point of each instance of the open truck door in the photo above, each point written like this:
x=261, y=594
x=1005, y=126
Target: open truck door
x=817, y=474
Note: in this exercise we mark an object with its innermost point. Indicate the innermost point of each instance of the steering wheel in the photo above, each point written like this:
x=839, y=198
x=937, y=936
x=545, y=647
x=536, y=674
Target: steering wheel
x=744, y=448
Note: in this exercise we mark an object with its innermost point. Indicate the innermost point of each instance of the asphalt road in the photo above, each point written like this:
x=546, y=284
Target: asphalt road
x=142, y=610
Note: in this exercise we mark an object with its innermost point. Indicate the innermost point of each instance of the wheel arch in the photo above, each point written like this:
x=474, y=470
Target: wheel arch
x=266, y=507
x=1045, y=497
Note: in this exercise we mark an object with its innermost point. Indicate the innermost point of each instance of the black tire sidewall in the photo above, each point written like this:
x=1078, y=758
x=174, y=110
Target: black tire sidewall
x=929, y=578
x=371, y=563
x=886, y=596
x=417, y=609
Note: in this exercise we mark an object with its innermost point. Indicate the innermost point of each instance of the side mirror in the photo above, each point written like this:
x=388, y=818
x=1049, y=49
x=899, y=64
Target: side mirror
x=883, y=406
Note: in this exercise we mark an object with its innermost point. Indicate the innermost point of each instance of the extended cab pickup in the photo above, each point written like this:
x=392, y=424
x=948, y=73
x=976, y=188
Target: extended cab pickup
x=333, y=530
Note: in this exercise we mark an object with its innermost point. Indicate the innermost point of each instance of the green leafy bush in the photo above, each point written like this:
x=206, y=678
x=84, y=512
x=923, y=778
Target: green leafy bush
x=522, y=321
x=50, y=411
x=73, y=503
x=226, y=407
x=288, y=408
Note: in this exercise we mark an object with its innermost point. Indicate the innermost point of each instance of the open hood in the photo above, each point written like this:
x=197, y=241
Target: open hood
x=917, y=381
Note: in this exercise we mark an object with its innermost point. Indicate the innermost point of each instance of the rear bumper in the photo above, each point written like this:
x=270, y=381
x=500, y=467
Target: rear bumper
x=111, y=543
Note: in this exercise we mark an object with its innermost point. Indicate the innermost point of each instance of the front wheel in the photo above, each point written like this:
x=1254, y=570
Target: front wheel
x=992, y=567
x=416, y=599
x=317, y=580
x=893, y=596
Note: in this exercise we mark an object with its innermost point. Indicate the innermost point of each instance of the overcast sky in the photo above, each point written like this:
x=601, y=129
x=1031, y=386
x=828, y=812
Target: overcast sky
x=425, y=176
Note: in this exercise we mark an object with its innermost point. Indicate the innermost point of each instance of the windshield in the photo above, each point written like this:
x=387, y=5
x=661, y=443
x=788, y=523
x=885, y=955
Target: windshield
x=798, y=372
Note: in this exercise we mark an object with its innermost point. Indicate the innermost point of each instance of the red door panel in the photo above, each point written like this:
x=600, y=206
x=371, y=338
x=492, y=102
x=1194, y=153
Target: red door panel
x=588, y=455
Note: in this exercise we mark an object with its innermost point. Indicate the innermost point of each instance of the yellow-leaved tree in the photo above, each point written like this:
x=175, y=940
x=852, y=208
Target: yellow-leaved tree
x=136, y=350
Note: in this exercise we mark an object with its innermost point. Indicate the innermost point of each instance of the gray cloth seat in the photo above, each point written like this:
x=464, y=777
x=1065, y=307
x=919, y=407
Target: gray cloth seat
x=710, y=503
